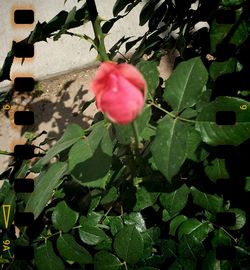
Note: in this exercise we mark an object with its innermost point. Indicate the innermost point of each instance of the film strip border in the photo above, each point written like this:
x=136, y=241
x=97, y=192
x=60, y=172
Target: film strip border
x=26, y=84
x=22, y=17
x=225, y=85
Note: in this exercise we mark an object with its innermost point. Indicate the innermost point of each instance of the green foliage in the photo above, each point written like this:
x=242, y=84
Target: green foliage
x=216, y=169
x=175, y=201
x=169, y=146
x=209, y=202
x=70, y=250
x=63, y=217
x=128, y=244
x=46, y=258
x=45, y=184
x=215, y=134
x=150, y=73
x=72, y=134
x=94, y=151
x=91, y=235
x=185, y=85
x=104, y=261
x=219, y=68
x=102, y=202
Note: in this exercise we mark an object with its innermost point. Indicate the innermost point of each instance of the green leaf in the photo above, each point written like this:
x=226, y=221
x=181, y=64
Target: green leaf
x=169, y=248
x=124, y=133
x=70, y=19
x=189, y=113
x=176, y=265
x=229, y=3
x=144, y=198
x=132, y=43
x=70, y=250
x=204, y=99
x=185, y=85
x=220, y=238
x=135, y=218
x=212, y=203
x=240, y=216
x=63, y=217
x=169, y=146
x=5, y=70
x=95, y=200
x=91, y=235
x=120, y=5
x=241, y=33
x=109, y=24
x=105, y=245
x=217, y=69
x=188, y=227
x=214, y=134
x=92, y=152
x=217, y=33
x=72, y=134
x=44, y=186
x=128, y=244
x=111, y=196
x=150, y=73
x=147, y=11
x=160, y=13
x=210, y=262
x=148, y=132
x=46, y=259
x=38, y=33
x=175, y=201
x=190, y=248
x=216, y=169
x=195, y=228
x=116, y=47
x=175, y=223
x=195, y=149
x=247, y=184
x=104, y=260
x=147, y=245
x=147, y=268
x=92, y=219
x=116, y=224
x=165, y=215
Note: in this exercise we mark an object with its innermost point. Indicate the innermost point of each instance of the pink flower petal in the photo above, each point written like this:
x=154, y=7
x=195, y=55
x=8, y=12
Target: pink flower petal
x=120, y=91
x=98, y=84
x=122, y=103
x=133, y=75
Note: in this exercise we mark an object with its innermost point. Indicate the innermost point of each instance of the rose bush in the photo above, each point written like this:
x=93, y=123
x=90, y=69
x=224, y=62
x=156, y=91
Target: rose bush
x=171, y=189
x=120, y=91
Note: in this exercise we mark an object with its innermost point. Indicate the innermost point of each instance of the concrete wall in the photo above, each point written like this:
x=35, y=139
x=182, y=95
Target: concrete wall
x=66, y=54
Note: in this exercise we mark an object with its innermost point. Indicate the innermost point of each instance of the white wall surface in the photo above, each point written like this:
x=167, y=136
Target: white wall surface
x=66, y=54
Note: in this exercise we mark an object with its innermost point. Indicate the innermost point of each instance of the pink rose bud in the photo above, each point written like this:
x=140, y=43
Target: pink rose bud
x=120, y=91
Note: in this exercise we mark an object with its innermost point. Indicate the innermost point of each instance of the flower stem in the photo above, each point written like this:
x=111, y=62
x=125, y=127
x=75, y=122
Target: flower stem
x=99, y=37
x=136, y=136
x=170, y=114
x=6, y=153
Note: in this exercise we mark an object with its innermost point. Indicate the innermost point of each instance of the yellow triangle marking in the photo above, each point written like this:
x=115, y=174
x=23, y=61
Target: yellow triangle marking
x=6, y=216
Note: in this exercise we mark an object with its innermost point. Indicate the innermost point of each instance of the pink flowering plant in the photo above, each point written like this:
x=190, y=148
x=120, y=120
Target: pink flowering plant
x=120, y=91
x=160, y=179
